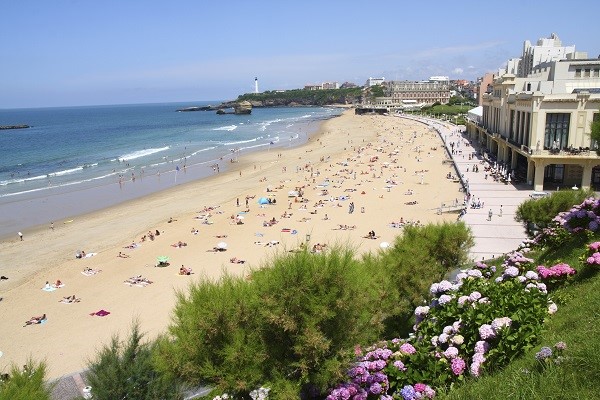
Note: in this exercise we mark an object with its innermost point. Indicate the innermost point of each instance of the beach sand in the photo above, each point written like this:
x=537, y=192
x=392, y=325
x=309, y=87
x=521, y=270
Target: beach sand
x=374, y=161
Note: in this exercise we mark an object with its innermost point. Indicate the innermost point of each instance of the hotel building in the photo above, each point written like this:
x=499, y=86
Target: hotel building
x=538, y=124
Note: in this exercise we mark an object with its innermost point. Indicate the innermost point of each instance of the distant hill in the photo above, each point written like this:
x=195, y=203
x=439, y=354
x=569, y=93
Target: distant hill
x=302, y=97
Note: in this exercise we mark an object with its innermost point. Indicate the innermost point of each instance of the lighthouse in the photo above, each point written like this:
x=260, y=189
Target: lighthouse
x=255, y=85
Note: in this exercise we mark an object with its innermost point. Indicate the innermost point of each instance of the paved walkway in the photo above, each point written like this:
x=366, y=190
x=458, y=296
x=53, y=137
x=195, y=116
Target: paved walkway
x=501, y=234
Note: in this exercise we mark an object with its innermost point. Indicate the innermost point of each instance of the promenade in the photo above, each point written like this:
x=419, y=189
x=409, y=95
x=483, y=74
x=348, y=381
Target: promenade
x=501, y=234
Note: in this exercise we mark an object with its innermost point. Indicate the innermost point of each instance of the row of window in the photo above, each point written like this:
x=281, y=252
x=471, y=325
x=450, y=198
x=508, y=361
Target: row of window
x=587, y=73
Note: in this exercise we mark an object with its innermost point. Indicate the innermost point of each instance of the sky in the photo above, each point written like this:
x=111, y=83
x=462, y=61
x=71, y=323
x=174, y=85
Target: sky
x=80, y=52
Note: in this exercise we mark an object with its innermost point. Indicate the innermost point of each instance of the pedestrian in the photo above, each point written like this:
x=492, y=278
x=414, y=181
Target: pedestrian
x=500, y=213
x=238, y=202
x=52, y=225
x=490, y=213
x=20, y=236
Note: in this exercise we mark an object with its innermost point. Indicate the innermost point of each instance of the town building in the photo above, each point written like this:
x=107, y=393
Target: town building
x=425, y=93
x=323, y=86
x=538, y=125
x=374, y=81
x=546, y=50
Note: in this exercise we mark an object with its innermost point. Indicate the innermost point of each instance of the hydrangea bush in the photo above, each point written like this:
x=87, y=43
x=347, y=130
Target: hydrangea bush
x=592, y=255
x=470, y=324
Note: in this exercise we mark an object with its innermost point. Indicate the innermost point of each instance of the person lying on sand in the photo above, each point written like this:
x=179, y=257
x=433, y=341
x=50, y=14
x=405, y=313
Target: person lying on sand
x=122, y=255
x=35, y=320
x=185, y=271
x=370, y=235
x=89, y=271
x=220, y=236
x=236, y=260
x=179, y=244
x=70, y=299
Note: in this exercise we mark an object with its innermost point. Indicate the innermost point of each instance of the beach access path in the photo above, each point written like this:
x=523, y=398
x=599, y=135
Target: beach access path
x=501, y=234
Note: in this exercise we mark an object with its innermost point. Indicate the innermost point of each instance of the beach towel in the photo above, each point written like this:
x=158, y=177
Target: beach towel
x=90, y=273
x=101, y=313
x=48, y=289
x=287, y=230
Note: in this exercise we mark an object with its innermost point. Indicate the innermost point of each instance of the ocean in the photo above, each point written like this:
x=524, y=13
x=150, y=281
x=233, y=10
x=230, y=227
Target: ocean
x=103, y=155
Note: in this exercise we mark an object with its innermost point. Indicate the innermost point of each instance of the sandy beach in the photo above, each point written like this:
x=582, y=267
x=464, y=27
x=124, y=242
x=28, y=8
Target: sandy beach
x=356, y=175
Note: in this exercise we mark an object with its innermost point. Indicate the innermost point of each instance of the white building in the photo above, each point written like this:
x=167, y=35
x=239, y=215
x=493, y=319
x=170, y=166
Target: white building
x=330, y=85
x=546, y=50
x=374, y=81
x=421, y=92
x=441, y=79
x=539, y=125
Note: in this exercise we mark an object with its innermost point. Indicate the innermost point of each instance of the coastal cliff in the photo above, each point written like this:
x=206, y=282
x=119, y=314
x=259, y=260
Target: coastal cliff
x=287, y=98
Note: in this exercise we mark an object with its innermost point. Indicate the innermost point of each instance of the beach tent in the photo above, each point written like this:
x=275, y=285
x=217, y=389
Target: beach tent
x=162, y=261
x=263, y=200
x=293, y=193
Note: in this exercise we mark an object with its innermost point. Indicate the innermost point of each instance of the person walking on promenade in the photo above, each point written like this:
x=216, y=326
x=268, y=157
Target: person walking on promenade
x=500, y=213
x=490, y=213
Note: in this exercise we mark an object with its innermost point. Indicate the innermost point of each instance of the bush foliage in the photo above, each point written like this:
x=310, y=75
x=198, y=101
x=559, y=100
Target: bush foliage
x=125, y=370
x=25, y=383
x=541, y=211
x=294, y=325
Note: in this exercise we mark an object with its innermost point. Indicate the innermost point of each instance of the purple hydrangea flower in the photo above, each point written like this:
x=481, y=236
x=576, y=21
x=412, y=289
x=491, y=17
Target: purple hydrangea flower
x=407, y=348
x=408, y=392
x=451, y=352
x=458, y=366
x=375, y=388
x=444, y=299
x=481, y=347
x=400, y=365
x=486, y=332
x=560, y=346
x=544, y=353
x=511, y=272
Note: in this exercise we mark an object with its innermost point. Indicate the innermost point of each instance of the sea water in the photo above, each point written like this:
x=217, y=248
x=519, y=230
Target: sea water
x=102, y=149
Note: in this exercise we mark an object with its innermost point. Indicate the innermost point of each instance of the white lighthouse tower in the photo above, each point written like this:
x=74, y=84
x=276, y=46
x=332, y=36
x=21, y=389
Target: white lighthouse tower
x=255, y=85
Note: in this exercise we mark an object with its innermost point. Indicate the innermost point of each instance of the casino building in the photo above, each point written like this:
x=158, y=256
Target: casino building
x=537, y=118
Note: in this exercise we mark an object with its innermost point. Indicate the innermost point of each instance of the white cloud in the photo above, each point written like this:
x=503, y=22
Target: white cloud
x=458, y=71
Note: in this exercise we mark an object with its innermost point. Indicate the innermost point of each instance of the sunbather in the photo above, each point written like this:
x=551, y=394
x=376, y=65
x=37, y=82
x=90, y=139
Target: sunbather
x=236, y=260
x=35, y=320
x=185, y=271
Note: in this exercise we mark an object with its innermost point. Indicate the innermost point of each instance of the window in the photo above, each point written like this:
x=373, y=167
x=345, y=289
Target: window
x=587, y=72
x=578, y=73
x=557, y=130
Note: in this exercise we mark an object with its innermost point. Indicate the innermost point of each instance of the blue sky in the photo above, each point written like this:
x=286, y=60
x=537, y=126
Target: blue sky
x=60, y=52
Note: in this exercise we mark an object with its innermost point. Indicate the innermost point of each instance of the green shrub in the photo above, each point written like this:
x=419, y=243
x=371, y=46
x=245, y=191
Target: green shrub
x=125, y=370
x=541, y=211
x=421, y=256
x=216, y=336
x=26, y=383
x=315, y=308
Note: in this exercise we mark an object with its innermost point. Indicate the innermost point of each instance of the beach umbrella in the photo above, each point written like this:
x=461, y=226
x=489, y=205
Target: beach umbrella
x=263, y=200
x=162, y=259
x=240, y=217
x=384, y=245
x=221, y=245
